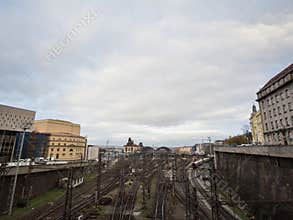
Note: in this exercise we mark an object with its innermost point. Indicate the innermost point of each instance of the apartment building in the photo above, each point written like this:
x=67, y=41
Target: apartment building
x=276, y=107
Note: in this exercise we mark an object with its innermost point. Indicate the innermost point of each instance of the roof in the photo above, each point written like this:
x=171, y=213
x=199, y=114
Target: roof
x=16, y=108
x=280, y=75
x=55, y=120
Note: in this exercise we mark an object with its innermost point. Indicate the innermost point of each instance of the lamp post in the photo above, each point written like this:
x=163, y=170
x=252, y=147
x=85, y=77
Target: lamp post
x=27, y=126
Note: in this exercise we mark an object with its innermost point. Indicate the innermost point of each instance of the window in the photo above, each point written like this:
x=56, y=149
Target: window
x=269, y=138
x=272, y=100
x=286, y=121
x=52, y=149
x=289, y=106
x=270, y=114
x=281, y=122
x=276, y=124
x=284, y=109
x=274, y=137
x=64, y=149
x=57, y=156
x=279, y=110
x=71, y=150
x=287, y=93
x=272, y=125
x=276, y=97
x=57, y=149
x=274, y=111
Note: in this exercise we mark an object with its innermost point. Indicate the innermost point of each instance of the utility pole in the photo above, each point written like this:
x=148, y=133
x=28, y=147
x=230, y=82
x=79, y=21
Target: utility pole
x=174, y=176
x=143, y=180
x=214, y=196
x=99, y=179
x=187, y=196
x=195, y=199
x=210, y=145
x=68, y=198
x=27, y=126
x=86, y=150
x=27, y=185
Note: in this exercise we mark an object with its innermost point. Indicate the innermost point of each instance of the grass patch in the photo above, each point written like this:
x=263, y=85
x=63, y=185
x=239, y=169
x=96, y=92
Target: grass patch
x=49, y=196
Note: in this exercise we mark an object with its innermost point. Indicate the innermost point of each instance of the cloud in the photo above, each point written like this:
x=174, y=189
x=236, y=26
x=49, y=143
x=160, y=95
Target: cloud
x=162, y=73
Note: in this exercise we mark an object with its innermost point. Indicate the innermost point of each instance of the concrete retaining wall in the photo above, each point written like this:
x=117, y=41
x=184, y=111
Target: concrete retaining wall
x=263, y=176
x=39, y=183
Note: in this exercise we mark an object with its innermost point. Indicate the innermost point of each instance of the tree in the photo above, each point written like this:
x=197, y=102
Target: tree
x=238, y=139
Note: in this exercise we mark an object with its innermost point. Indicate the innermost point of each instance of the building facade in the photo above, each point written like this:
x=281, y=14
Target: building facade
x=63, y=146
x=131, y=147
x=56, y=126
x=64, y=142
x=256, y=126
x=276, y=108
x=204, y=148
x=188, y=150
x=93, y=152
x=13, y=121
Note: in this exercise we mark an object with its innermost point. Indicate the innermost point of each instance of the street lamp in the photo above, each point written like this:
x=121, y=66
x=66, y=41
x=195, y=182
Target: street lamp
x=25, y=127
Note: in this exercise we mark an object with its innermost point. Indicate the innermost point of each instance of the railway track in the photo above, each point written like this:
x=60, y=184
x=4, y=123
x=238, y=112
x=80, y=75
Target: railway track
x=223, y=213
x=161, y=200
x=125, y=204
x=81, y=197
x=202, y=213
x=125, y=201
x=79, y=201
x=83, y=203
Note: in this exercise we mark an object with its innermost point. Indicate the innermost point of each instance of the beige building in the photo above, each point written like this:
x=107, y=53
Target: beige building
x=56, y=126
x=65, y=142
x=184, y=150
x=256, y=126
x=131, y=147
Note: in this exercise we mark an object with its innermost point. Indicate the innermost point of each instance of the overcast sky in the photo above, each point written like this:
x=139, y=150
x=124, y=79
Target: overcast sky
x=161, y=72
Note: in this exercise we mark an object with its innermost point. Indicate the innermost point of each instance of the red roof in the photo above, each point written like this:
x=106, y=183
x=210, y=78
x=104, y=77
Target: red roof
x=280, y=75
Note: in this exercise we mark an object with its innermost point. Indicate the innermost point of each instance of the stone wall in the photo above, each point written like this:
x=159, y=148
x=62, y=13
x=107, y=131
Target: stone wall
x=264, y=181
x=36, y=183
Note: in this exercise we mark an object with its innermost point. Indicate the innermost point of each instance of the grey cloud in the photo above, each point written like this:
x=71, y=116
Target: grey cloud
x=164, y=73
